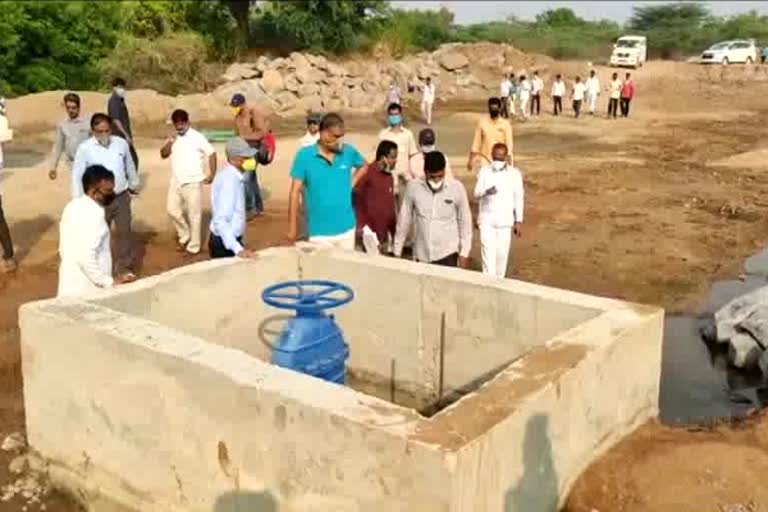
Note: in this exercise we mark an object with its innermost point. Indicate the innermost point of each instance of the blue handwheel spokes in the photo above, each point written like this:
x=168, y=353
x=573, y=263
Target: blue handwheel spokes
x=310, y=295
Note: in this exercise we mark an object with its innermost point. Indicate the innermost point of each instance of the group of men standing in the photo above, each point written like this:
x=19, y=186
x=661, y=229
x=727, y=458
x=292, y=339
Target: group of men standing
x=518, y=95
x=407, y=195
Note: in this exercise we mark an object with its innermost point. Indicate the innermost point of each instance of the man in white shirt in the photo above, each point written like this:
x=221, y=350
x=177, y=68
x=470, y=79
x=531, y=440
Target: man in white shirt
x=499, y=191
x=188, y=150
x=592, y=91
x=537, y=85
x=614, y=93
x=86, y=262
x=577, y=95
x=406, y=145
x=313, y=130
x=524, y=92
x=427, y=100
x=505, y=91
x=558, y=91
x=114, y=153
x=228, y=202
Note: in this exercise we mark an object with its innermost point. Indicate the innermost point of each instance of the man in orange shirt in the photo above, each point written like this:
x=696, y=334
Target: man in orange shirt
x=490, y=131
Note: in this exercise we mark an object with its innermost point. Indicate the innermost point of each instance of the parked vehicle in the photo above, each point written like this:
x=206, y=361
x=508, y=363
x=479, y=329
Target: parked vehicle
x=629, y=51
x=730, y=52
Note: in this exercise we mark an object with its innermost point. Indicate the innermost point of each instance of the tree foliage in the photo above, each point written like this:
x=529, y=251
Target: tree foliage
x=77, y=44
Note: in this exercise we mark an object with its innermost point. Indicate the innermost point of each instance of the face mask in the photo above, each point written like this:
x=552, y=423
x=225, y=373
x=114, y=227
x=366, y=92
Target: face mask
x=249, y=164
x=387, y=168
x=494, y=112
x=120, y=91
x=337, y=148
x=107, y=199
x=435, y=185
x=181, y=133
x=427, y=149
x=498, y=165
x=235, y=110
x=103, y=140
x=395, y=120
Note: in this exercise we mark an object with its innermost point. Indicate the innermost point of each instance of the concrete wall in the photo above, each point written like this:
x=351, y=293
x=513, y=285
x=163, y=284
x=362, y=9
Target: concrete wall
x=162, y=421
x=222, y=304
x=147, y=414
x=402, y=310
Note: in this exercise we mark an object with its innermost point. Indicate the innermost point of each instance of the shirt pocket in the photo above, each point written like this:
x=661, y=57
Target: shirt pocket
x=445, y=208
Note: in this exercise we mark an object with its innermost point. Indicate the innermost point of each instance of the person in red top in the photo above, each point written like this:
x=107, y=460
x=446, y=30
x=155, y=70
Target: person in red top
x=374, y=197
x=627, y=93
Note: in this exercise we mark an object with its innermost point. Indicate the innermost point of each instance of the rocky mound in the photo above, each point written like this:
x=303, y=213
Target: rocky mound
x=291, y=86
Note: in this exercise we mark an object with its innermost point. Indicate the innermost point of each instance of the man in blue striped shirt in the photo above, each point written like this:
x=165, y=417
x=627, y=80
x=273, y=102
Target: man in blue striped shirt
x=228, y=202
x=112, y=152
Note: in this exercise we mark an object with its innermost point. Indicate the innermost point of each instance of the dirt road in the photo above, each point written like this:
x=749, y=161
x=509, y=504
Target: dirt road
x=650, y=209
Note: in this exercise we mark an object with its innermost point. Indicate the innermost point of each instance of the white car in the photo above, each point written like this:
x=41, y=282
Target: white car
x=729, y=52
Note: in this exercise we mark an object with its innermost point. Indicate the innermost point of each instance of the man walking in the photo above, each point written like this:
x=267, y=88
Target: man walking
x=499, y=191
x=592, y=91
x=313, y=126
x=489, y=131
x=427, y=144
x=505, y=91
x=558, y=91
x=84, y=239
x=228, y=203
x=614, y=93
x=117, y=110
x=537, y=85
x=326, y=173
x=251, y=125
x=439, y=208
x=406, y=145
x=188, y=150
x=577, y=95
x=113, y=153
x=513, y=90
x=524, y=91
x=427, y=100
x=9, y=261
x=627, y=93
x=70, y=133
x=374, y=197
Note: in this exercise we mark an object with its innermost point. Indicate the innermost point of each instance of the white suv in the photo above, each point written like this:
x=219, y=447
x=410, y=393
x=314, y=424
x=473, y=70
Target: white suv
x=729, y=52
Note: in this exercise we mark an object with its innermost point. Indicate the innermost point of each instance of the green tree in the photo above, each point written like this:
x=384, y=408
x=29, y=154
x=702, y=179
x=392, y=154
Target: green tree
x=673, y=29
x=52, y=45
x=562, y=17
x=334, y=26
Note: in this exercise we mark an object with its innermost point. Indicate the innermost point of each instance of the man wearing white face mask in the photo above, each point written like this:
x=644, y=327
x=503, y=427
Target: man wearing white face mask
x=112, y=152
x=188, y=150
x=499, y=191
x=439, y=208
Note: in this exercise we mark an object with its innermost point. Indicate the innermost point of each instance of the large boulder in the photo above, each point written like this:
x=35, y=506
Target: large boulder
x=453, y=61
x=299, y=61
x=307, y=75
x=240, y=71
x=333, y=104
x=272, y=82
x=309, y=89
x=285, y=100
x=358, y=99
x=743, y=351
x=292, y=83
x=312, y=103
x=730, y=317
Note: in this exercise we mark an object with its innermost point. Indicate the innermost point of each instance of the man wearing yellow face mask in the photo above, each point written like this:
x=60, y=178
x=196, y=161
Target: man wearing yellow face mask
x=228, y=202
x=252, y=126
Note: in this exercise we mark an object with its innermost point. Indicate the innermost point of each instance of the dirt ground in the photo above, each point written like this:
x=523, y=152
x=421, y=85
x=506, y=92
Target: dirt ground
x=649, y=209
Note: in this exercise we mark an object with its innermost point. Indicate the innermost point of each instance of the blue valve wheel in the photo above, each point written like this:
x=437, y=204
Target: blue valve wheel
x=307, y=295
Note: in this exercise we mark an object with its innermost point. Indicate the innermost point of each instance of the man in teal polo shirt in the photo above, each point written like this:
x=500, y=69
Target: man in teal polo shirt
x=326, y=172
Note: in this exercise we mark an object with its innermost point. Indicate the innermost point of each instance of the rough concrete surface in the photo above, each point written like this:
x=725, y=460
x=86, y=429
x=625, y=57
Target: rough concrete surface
x=117, y=379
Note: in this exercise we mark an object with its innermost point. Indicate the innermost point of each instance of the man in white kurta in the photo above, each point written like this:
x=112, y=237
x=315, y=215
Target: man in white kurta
x=499, y=191
x=84, y=237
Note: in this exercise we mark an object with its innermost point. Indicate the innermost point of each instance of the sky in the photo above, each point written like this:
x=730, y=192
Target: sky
x=478, y=11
